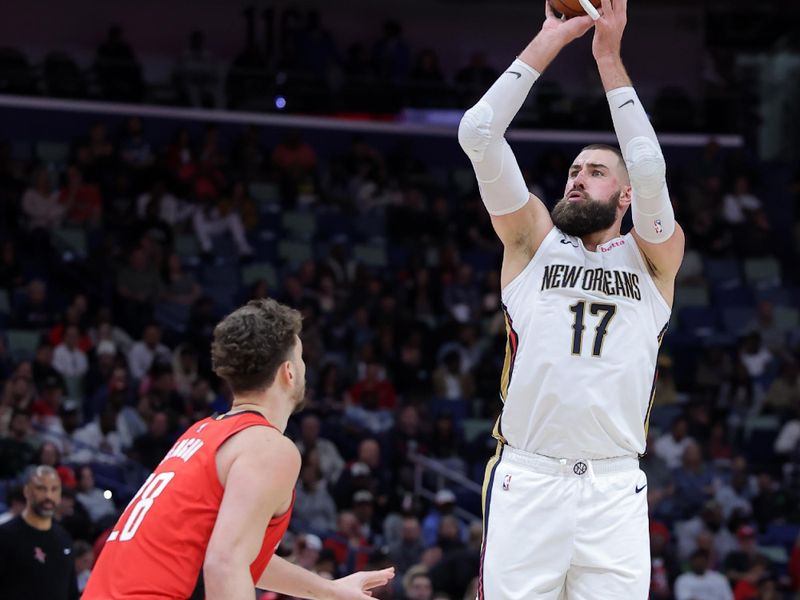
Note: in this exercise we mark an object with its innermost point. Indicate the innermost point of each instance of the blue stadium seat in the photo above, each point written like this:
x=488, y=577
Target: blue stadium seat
x=762, y=271
x=733, y=295
x=698, y=320
x=22, y=343
x=172, y=316
x=690, y=296
x=719, y=270
x=735, y=319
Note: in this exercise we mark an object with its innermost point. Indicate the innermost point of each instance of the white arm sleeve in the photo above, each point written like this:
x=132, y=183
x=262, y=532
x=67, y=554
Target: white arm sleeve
x=651, y=208
x=481, y=135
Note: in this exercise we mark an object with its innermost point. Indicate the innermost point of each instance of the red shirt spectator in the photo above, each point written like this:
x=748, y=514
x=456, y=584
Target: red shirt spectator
x=372, y=392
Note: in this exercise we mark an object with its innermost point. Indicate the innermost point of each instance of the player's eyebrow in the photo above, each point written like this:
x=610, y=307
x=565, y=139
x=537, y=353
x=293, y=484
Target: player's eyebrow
x=590, y=165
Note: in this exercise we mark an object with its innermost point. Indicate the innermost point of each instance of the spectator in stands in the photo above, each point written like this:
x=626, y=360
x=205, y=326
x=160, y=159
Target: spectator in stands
x=134, y=149
x=83, y=199
x=180, y=287
x=99, y=441
x=72, y=516
x=35, y=311
x=664, y=567
x=68, y=359
x=91, y=497
x=11, y=276
x=426, y=85
x=209, y=222
x=734, y=496
x=295, y=162
x=754, y=356
x=474, y=79
x=741, y=562
x=451, y=381
x=196, y=74
x=417, y=584
x=84, y=559
x=138, y=286
x=391, y=56
x=348, y=544
x=670, y=446
x=147, y=351
x=695, y=481
x=18, y=448
x=783, y=394
x=743, y=212
x=444, y=504
x=150, y=448
x=47, y=409
x=118, y=69
x=765, y=324
x=331, y=462
x=407, y=551
x=159, y=202
x=314, y=508
x=788, y=441
x=41, y=205
x=15, y=503
x=702, y=582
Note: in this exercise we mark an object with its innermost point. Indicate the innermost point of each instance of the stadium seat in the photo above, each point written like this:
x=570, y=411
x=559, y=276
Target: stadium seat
x=690, y=296
x=370, y=255
x=299, y=225
x=736, y=319
x=295, y=252
x=69, y=239
x=172, y=316
x=257, y=271
x=5, y=305
x=700, y=321
x=762, y=271
x=733, y=295
x=722, y=270
x=187, y=245
x=52, y=152
x=22, y=343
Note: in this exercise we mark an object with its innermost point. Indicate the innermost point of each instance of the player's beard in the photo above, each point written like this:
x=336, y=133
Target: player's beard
x=299, y=396
x=586, y=216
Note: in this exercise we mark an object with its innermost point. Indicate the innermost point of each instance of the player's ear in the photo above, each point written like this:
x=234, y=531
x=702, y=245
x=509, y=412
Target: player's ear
x=625, y=196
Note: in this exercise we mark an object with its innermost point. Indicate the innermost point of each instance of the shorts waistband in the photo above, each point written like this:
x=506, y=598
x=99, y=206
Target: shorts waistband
x=549, y=465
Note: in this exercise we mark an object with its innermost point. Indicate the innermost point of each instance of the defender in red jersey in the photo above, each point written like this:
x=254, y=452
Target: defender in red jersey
x=221, y=498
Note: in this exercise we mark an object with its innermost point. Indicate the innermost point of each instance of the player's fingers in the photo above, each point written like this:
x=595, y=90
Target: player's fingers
x=373, y=579
x=548, y=10
x=608, y=11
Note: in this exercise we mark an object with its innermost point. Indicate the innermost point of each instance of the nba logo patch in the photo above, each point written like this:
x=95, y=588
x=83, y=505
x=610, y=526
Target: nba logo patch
x=657, y=226
x=507, y=482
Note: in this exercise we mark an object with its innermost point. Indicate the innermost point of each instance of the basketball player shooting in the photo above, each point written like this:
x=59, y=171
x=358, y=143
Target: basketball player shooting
x=222, y=497
x=565, y=506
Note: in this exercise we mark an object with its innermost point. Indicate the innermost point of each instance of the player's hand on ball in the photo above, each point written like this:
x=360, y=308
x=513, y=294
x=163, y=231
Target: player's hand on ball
x=357, y=585
x=567, y=29
x=609, y=27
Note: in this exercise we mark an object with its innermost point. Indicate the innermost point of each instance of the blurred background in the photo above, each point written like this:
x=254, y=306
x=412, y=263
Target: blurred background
x=162, y=163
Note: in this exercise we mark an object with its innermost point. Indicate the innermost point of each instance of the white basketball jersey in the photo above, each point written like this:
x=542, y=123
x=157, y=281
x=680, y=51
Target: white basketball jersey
x=584, y=329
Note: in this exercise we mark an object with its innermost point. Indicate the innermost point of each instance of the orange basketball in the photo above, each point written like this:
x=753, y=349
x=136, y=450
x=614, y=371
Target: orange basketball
x=571, y=8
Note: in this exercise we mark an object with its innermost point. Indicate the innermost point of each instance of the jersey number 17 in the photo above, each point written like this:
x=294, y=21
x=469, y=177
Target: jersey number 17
x=596, y=309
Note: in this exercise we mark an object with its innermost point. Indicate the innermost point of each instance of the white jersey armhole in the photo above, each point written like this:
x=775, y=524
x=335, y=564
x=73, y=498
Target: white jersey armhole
x=653, y=287
x=516, y=282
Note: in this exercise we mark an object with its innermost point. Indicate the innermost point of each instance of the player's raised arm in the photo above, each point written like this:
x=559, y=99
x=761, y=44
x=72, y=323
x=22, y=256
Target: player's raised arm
x=520, y=219
x=659, y=236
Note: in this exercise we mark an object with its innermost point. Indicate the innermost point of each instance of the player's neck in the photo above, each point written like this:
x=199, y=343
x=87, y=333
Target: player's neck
x=35, y=521
x=275, y=410
x=592, y=240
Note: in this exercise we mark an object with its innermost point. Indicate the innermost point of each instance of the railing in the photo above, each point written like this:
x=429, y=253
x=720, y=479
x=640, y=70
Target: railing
x=441, y=475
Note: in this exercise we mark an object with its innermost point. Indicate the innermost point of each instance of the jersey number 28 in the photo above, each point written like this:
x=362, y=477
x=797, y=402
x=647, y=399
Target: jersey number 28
x=151, y=490
x=595, y=308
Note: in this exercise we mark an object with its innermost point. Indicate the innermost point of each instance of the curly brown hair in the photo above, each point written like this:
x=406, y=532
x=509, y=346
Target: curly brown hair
x=251, y=343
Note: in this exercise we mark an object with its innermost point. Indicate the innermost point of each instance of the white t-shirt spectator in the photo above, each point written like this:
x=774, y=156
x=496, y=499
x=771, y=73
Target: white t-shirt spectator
x=670, y=450
x=91, y=445
x=735, y=206
x=97, y=505
x=70, y=362
x=788, y=437
x=142, y=356
x=708, y=586
x=170, y=210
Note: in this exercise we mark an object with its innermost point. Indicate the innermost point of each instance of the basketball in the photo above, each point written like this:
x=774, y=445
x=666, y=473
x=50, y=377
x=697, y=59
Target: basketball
x=571, y=8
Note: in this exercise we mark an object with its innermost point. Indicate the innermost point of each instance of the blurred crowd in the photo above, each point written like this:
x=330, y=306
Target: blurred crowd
x=117, y=261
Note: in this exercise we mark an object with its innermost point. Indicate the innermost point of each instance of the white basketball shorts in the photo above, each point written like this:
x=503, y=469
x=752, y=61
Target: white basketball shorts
x=564, y=529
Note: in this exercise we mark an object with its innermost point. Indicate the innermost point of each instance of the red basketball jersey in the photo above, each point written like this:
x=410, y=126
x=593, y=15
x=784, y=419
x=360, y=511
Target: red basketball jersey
x=157, y=548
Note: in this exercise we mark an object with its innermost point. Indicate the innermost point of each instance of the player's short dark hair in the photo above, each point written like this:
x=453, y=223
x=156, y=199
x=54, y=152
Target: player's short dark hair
x=252, y=342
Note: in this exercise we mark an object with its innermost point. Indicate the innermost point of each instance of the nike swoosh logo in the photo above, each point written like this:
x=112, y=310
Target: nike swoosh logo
x=639, y=489
x=626, y=103
x=515, y=73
